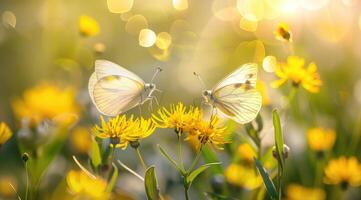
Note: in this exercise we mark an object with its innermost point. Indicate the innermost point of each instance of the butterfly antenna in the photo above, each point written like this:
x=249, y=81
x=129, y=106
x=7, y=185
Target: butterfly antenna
x=156, y=73
x=200, y=79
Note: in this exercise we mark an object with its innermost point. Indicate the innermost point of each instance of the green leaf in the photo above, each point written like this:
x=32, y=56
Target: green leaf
x=113, y=178
x=278, y=137
x=95, y=154
x=210, y=157
x=271, y=189
x=151, y=186
x=173, y=162
x=196, y=172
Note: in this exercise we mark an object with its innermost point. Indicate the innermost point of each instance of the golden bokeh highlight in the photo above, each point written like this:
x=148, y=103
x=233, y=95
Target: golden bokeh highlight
x=135, y=24
x=180, y=4
x=9, y=19
x=159, y=54
x=313, y=4
x=224, y=10
x=164, y=40
x=147, y=38
x=120, y=6
x=269, y=64
x=251, y=9
x=126, y=16
x=99, y=47
x=248, y=25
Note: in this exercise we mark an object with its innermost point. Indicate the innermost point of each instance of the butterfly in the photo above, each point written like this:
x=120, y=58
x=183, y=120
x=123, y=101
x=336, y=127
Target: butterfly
x=115, y=90
x=236, y=96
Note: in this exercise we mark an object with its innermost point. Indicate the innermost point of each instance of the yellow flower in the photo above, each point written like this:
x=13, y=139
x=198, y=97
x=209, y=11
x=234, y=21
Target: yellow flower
x=242, y=176
x=45, y=101
x=178, y=117
x=5, y=133
x=83, y=185
x=246, y=152
x=209, y=132
x=141, y=128
x=294, y=70
x=344, y=171
x=320, y=139
x=123, y=131
x=88, y=26
x=298, y=192
x=81, y=140
x=283, y=33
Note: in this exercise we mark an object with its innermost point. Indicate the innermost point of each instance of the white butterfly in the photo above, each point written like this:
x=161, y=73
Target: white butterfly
x=115, y=90
x=236, y=96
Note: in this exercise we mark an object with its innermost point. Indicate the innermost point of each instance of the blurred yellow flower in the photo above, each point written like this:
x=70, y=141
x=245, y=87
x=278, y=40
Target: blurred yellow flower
x=320, y=139
x=294, y=70
x=262, y=88
x=88, y=26
x=242, y=176
x=246, y=152
x=123, y=131
x=5, y=133
x=46, y=101
x=6, y=191
x=283, y=32
x=84, y=186
x=209, y=132
x=343, y=171
x=298, y=192
x=81, y=140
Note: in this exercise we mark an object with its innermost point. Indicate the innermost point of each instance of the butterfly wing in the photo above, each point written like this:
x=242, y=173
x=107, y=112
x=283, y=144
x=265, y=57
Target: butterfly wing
x=236, y=95
x=92, y=81
x=104, y=68
x=113, y=95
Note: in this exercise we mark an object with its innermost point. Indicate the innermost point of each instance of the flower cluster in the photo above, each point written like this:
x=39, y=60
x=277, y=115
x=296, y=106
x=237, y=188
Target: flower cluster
x=295, y=71
x=123, y=131
x=191, y=122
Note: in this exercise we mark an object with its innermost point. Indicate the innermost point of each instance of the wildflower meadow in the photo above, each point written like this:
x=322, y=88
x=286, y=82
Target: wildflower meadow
x=180, y=100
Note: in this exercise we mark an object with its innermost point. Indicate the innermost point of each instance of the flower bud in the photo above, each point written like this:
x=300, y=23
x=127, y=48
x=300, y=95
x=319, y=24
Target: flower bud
x=25, y=157
x=286, y=150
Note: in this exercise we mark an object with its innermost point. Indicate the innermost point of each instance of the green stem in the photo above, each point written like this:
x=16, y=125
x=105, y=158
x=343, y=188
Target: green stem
x=292, y=94
x=319, y=171
x=279, y=183
x=186, y=193
x=27, y=181
x=195, y=161
x=180, y=159
x=141, y=159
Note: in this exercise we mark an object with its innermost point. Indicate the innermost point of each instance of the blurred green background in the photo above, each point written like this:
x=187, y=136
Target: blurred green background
x=40, y=41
